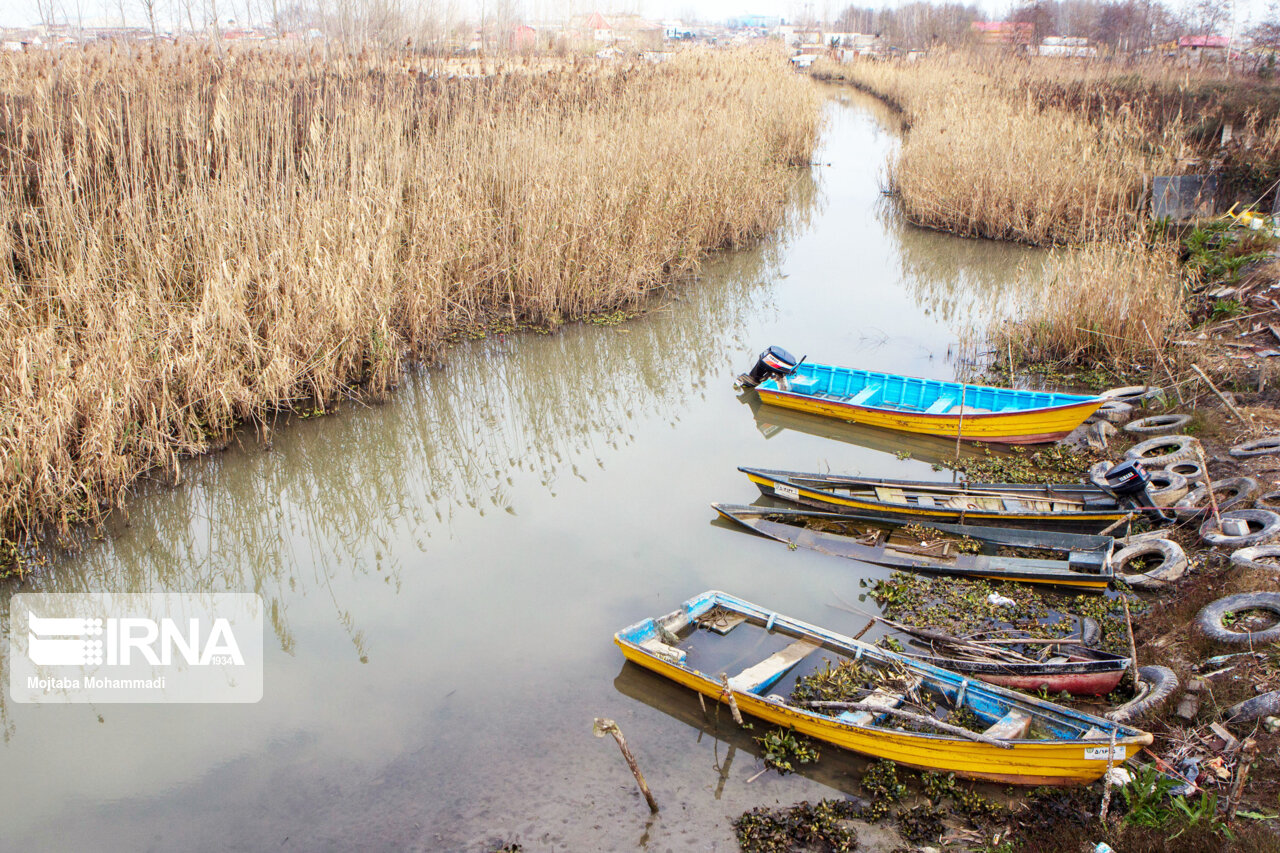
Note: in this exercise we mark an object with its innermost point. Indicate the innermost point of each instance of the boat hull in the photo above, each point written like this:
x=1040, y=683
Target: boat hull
x=1038, y=426
x=776, y=485
x=1070, y=761
x=1093, y=551
x=1077, y=684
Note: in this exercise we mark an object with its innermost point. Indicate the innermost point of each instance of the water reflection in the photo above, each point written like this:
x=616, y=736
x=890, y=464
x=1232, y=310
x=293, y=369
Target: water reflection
x=772, y=421
x=838, y=769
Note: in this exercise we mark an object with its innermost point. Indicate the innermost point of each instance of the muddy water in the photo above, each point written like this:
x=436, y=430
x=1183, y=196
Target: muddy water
x=443, y=573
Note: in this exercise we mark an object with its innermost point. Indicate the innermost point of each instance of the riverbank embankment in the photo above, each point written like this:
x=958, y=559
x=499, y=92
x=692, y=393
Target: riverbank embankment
x=196, y=240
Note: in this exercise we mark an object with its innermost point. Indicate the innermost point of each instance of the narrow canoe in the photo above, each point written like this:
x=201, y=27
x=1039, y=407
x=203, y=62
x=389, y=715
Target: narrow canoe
x=1027, y=741
x=1085, y=562
x=1085, y=672
x=930, y=406
x=1077, y=506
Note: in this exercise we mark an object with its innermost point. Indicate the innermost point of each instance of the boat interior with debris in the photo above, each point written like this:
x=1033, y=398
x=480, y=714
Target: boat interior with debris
x=870, y=700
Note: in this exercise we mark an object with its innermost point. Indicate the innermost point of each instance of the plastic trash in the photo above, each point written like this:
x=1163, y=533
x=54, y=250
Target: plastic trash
x=1119, y=776
x=1000, y=601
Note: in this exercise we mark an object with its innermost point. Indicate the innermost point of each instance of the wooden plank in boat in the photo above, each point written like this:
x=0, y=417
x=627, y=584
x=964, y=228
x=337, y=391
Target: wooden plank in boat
x=861, y=398
x=889, y=495
x=1095, y=733
x=663, y=650
x=1011, y=726
x=774, y=665
x=879, y=699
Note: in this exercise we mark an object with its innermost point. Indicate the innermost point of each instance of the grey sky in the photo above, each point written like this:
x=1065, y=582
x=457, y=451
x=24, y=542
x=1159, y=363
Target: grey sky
x=23, y=12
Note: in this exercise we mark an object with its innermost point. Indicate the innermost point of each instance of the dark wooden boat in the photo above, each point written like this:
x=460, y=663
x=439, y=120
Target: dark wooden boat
x=958, y=550
x=1080, y=506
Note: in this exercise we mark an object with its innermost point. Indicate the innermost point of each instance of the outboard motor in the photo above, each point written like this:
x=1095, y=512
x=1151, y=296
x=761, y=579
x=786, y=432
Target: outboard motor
x=775, y=361
x=1128, y=482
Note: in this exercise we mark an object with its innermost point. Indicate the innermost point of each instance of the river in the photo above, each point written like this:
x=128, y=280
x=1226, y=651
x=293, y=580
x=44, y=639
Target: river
x=443, y=573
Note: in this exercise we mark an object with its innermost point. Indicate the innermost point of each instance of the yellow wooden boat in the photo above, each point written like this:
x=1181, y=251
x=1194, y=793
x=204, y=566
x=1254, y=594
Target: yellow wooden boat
x=1026, y=741
x=928, y=406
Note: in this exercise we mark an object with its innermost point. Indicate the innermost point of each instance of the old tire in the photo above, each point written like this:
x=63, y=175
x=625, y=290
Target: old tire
x=1173, y=564
x=1210, y=620
x=1266, y=705
x=1164, y=450
x=1134, y=395
x=1096, y=472
x=1157, y=424
x=1256, y=557
x=1258, y=447
x=1271, y=501
x=1114, y=412
x=1264, y=525
x=1166, y=488
x=1233, y=493
x=1156, y=684
x=1193, y=471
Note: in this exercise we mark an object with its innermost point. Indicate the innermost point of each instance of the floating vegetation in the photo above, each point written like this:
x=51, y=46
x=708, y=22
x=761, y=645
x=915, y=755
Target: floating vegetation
x=963, y=608
x=1056, y=464
x=965, y=718
x=922, y=824
x=881, y=784
x=783, y=746
x=823, y=826
x=840, y=682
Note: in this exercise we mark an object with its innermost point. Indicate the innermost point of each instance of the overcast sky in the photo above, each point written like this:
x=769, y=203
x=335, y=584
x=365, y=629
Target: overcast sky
x=105, y=12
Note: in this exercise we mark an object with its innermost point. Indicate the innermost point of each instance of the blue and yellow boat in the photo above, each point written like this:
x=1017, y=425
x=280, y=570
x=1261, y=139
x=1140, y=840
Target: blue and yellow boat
x=926, y=406
x=901, y=714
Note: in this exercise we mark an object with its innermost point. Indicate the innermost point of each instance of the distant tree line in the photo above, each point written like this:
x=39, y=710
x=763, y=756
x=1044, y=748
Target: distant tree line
x=1123, y=25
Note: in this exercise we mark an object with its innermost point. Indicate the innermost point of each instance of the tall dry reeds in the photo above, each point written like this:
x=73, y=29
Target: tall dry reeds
x=1114, y=304
x=191, y=241
x=984, y=158
x=989, y=153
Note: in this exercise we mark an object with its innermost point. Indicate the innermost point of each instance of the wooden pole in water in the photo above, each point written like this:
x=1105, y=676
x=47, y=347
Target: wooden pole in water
x=604, y=727
x=964, y=388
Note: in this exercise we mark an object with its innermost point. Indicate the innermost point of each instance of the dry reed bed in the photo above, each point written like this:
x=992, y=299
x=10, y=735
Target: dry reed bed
x=194, y=241
x=984, y=157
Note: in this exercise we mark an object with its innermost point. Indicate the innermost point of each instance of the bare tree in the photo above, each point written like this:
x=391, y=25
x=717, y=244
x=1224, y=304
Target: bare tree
x=149, y=10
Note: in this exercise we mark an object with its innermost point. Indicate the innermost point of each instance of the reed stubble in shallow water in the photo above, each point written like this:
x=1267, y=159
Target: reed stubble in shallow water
x=192, y=241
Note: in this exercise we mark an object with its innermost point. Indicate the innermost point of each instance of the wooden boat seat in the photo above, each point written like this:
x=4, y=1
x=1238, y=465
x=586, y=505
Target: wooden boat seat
x=940, y=405
x=866, y=397
x=879, y=699
x=890, y=495
x=1015, y=505
x=1011, y=726
x=926, y=500
x=753, y=679
x=803, y=384
x=663, y=650
x=1095, y=733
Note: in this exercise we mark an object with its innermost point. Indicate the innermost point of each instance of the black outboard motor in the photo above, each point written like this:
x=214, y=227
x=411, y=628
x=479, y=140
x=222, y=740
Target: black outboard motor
x=775, y=361
x=1128, y=482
